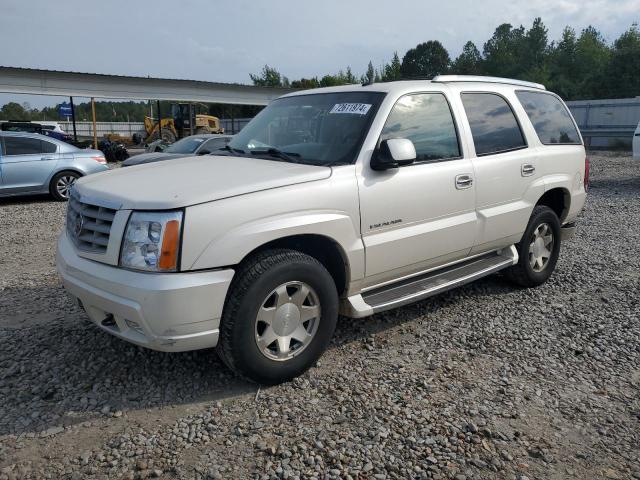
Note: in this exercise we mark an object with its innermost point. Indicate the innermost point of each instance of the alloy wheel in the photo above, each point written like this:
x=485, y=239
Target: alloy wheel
x=287, y=321
x=64, y=184
x=541, y=247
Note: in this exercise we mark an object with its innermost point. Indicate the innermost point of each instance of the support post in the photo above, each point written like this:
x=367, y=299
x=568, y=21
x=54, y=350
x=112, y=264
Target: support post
x=159, y=121
x=95, y=132
x=73, y=120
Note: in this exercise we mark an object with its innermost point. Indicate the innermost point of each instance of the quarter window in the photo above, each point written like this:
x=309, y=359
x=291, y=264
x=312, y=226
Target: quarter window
x=493, y=124
x=549, y=117
x=426, y=120
x=22, y=145
x=48, y=147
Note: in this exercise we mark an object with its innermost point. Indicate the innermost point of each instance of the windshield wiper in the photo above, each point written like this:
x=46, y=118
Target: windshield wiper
x=274, y=152
x=231, y=149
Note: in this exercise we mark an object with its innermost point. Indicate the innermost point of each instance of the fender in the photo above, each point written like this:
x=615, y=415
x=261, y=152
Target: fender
x=222, y=233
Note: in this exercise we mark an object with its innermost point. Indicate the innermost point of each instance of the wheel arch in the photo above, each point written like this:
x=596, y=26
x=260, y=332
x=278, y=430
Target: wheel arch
x=63, y=170
x=557, y=199
x=321, y=247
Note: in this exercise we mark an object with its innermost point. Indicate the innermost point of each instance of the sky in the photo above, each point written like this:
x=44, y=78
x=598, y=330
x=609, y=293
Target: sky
x=224, y=41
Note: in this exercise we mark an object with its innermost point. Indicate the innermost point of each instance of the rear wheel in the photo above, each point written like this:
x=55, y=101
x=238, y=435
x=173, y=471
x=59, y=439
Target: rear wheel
x=279, y=317
x=538, y=250
x=61, y=183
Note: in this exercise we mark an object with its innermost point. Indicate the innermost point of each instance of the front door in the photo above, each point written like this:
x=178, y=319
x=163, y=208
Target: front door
x=27, y=163
x=421, y=215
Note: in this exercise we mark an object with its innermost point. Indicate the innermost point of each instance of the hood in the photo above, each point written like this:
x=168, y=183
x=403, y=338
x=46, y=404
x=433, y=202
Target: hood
x=191, y=180
x=151, y=157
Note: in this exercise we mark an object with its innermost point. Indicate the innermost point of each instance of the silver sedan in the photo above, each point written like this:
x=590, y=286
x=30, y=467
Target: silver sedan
x=31, y=163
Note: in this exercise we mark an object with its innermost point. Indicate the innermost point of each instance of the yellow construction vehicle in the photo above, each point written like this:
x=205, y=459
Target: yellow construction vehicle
x=183, y=122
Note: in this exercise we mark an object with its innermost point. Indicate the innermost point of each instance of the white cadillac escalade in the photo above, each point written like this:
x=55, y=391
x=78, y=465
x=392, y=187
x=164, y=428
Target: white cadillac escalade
x=347, y=200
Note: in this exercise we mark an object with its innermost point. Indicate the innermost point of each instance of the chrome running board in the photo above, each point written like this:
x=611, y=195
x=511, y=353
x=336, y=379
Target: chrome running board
x=424, y=286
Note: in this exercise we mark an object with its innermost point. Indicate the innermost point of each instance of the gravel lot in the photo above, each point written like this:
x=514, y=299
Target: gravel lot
x=487, y=381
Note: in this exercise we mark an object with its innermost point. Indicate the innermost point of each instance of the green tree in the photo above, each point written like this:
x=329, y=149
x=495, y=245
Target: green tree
x=370, y=76
x=269, y=77
x=534, y=54
x=305, y=83
x=562, y=65
x=469, y=62
x=592, y=60
x=14, y=111
x=391, y=71
x=425, y=60
x=624, y=68
x=503, y=50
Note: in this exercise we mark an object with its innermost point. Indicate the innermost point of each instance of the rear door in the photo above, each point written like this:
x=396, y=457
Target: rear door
x=27, y=162
x=421, y=215
x=505, y=170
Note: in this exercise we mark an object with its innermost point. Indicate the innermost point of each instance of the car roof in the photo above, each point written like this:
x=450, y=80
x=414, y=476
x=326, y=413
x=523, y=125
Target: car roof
x=39, y=136
x=209, y=135
x=465, y=82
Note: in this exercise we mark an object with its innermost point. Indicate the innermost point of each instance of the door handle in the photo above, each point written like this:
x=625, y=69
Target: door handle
x=463, y=181
x=49, y=157
x=527, y=169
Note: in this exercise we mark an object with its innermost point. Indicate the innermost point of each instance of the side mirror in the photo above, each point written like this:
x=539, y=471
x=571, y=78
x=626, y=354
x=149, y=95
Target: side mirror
x=204, y=151
x=393, y=153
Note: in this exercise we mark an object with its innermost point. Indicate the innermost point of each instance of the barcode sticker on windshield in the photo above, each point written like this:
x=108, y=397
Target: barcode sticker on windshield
x=353, y=108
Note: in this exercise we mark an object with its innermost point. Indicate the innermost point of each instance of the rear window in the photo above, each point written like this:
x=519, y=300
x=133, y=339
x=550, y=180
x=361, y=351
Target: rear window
x=493, y=124
x=549, y=117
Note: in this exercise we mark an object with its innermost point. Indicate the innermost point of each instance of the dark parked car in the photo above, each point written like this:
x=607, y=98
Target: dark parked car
x=188, y=146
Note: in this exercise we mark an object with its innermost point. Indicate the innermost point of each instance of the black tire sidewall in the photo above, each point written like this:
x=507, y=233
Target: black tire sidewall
x=548, y=216
x=247, y=357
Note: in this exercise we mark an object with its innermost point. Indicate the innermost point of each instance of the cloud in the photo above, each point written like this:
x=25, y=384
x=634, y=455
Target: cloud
x=225, y=41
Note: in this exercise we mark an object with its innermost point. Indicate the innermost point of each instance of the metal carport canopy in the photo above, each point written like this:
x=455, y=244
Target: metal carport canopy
x=74, y=84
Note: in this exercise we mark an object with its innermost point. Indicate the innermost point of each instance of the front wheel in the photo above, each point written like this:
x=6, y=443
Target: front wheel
x=279, y=317
x=538, y=250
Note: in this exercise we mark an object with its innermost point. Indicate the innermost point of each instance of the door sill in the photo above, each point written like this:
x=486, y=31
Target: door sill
x=424, y=286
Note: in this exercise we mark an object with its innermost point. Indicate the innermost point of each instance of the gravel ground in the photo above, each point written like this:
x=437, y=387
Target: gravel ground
x=487, y=381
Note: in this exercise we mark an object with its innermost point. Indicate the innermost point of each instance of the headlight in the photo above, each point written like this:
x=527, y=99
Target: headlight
x=151, y=241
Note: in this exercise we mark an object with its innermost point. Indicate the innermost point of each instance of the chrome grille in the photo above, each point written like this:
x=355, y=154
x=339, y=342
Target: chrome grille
x=89, y=225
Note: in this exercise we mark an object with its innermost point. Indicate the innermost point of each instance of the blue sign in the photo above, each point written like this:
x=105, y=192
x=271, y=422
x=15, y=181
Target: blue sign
x=64, y=109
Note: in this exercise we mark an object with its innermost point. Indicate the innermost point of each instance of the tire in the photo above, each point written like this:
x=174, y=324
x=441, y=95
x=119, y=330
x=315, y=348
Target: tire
x=533, y=268
x=253, y=296
x=61, y=184
x=166, y=136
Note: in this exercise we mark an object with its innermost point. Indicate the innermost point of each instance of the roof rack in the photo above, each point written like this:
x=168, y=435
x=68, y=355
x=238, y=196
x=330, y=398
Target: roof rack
x=480, y=78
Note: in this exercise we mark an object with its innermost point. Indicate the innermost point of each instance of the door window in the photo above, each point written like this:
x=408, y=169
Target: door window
x=427, y=121
x=22, y=146
x=493, y=124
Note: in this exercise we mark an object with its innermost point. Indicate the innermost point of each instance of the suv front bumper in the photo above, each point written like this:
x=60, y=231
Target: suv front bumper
x=170, y=312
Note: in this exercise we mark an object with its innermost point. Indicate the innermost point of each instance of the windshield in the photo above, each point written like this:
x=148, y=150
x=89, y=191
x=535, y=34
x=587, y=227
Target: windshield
x=186, y=145
x=316, y=129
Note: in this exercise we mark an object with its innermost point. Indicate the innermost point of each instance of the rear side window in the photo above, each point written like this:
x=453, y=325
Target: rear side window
x=426, y=120
x=48, y=147
x=493, y=124
x=549, y=117
x=22, y=146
